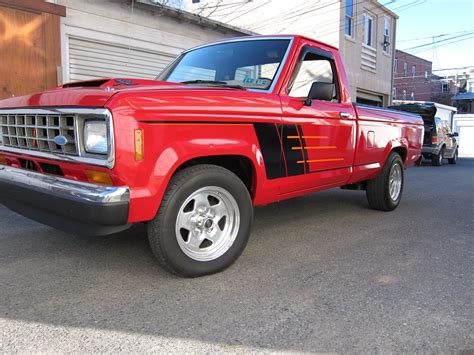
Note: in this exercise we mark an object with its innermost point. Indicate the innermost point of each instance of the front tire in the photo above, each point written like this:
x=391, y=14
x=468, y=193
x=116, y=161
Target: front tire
x=384, y=193
x=203, y=223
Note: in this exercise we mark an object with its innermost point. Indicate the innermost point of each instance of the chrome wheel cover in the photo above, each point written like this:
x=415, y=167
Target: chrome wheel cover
x=207, y=223
x=395, y=182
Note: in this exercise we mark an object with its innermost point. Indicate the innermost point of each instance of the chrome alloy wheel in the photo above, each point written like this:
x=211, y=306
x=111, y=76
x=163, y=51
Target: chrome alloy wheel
x=395, y=182
x=207, y=223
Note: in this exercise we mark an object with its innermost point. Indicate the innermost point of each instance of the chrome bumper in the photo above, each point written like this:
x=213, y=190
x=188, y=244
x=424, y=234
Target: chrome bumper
x=69, y=205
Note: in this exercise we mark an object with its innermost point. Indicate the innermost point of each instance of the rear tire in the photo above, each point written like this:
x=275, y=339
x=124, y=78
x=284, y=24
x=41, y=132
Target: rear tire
x=384, y=193
x=437, y=160
x=454, y=159
x=203, y=223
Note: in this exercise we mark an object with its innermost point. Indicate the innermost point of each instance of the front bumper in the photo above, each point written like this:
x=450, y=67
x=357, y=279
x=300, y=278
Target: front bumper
x=72, y=206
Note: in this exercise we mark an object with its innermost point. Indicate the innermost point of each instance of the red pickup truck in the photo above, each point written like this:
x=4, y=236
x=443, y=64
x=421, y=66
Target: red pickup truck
x=225, y=127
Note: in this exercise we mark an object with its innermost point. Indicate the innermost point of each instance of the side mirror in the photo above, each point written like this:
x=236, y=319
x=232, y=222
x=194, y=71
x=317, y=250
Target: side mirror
x=455, y=134
x=320, y=91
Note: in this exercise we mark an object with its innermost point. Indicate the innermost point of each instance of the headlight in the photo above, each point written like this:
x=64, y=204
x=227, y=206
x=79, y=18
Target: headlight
x=95, y=137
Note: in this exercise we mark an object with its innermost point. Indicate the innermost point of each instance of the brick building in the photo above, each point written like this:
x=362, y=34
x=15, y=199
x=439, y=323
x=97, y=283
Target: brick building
x=413, y=78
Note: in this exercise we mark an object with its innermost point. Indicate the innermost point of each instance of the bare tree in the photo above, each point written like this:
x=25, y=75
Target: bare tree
x=179, y=4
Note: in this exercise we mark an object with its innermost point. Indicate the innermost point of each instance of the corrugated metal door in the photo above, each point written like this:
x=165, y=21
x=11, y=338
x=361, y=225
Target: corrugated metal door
x=92, y=59
x=466, y=142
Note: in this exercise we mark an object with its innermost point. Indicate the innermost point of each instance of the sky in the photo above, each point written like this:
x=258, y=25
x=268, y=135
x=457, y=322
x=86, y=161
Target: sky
x=427, y=18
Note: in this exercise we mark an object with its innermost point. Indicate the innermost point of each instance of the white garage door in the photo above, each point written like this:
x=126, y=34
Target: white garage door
x=466, y=141
x=90, y=60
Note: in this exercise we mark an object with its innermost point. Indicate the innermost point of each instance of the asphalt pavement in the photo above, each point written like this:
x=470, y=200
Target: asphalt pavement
x=321, y=273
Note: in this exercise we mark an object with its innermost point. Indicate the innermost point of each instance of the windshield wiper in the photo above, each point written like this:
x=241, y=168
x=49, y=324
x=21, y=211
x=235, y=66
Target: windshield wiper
x=213, y=82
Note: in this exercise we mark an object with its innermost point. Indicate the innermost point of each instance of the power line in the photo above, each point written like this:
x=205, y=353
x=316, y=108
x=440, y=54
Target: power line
x=431, y=37
x=455, y=68
x=444, y=44
x=232, y=19
x=363, y=10
x=439, y=41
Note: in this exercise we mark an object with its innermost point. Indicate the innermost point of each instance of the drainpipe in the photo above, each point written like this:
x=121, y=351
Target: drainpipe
x=392, y=80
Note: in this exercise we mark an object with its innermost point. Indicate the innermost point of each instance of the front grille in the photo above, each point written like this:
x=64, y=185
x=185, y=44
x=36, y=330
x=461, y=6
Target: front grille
x=36, y=132
x=32, y=131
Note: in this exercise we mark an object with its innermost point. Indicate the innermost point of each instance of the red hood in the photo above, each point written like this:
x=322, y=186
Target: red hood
x=94, y=93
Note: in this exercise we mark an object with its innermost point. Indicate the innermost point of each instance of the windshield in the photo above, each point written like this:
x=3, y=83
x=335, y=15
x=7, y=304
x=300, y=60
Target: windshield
x=250, y=64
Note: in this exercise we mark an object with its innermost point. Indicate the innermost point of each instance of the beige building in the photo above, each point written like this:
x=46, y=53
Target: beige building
x=363, y=30
x=121, y=38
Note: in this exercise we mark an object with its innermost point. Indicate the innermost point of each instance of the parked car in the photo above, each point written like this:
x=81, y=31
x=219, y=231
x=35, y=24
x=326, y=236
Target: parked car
x=227, y=126
x=439, y=142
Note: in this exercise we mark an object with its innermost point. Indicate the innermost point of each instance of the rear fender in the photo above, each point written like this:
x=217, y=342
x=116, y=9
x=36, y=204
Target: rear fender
x=399, y=145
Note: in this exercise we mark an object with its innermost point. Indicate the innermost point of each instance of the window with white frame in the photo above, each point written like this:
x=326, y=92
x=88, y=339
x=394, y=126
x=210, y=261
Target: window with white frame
x=394, y=93
x=404, y=94
x=386, y=34
x=395, y=66
x=349, y=20
x=412, y=96
x=368, y=29
x=426, y=74
x=413, y=71
x=405, y=69
x=444, y=87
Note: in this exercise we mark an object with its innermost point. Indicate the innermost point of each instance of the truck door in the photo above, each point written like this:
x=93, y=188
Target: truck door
x=318, y=136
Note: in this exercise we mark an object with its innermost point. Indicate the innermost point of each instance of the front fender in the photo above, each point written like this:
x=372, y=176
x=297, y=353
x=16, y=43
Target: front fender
x=181, y=143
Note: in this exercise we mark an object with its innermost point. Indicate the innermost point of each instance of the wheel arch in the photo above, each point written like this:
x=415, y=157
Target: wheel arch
x=398, y=146
x=402, y=151
x=240, y=165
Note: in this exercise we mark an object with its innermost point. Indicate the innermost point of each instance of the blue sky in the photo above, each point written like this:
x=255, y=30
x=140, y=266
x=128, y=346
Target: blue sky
x=427, y=18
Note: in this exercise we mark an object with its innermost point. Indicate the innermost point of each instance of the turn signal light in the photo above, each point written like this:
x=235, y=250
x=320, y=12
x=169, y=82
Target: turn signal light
x=99, y=177
x=139, y=153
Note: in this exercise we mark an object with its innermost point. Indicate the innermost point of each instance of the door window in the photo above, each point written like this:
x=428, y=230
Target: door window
x=313, y=68
x=447, y=128
x=439, y=127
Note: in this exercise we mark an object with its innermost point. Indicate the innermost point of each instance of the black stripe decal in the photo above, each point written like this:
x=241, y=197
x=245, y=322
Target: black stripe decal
x=271, y=149
x=292, y=156
x=268, y=135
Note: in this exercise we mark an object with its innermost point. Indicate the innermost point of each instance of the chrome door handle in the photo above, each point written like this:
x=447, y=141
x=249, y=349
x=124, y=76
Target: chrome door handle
x=344, y=114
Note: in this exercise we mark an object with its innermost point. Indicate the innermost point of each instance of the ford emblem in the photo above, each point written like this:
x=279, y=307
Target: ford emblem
x=60, y=140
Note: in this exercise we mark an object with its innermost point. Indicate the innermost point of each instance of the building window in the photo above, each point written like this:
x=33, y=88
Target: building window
x=426, y=74
x=349, y=25
x=395, y=66
x=369, y=30
x=413, y=71
x=412, y=96
x=386, y=34
x=404, y=94
x=405, y=69
x=444, y=87
x=394, y=93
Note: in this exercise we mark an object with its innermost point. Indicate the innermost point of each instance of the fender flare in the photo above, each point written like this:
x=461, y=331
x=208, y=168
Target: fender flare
x=172, y=159
x=396, y=144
